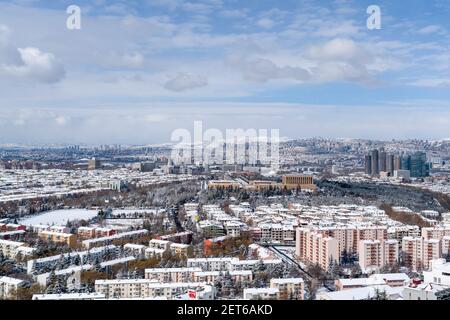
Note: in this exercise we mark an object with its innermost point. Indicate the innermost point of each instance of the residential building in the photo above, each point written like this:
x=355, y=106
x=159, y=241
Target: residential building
x=8, y=286
x=289, y=288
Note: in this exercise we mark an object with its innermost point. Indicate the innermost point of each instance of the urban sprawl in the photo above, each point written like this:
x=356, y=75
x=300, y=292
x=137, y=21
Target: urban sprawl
x=336, y=220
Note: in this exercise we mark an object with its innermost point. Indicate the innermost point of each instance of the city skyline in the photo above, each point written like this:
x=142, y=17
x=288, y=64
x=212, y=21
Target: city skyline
x=136, y=71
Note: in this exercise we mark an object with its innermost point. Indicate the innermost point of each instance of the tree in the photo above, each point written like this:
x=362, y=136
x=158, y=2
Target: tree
x=312, y=286
x=356, y=271
x=380, y=295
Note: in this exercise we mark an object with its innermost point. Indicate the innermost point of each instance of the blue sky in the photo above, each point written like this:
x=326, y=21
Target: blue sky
x=137, y=70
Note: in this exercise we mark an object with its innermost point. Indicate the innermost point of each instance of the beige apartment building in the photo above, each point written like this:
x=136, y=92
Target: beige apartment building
x=391, y=252
x=289, y=289
x=435, y=233
x=129, y=288
x=370, y=254
x=171, y=274
x=374, y=254
x=181, y=249
x=348, y=238
x=418, y=252
x=57, y=237
x=314, y=248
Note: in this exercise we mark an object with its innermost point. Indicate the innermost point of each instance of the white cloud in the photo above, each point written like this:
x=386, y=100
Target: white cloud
x=36, y=65
x=185, y=81
x=432, y=83
x=265, y=23
x=338, y=49
x=430, y=29
x=259, y=69
x=133, y=60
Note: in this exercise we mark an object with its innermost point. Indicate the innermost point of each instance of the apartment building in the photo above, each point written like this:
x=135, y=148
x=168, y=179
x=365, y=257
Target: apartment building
x=159, y=244
x=314, y=248
x=90, y=233
x=181, y=249
x=171, y=274
x=90, y=243
x=374, y=254
x=11, y=249
x=8, y=286
x=435, y=232
x=277, y=233
x=431, y=251
x=289, y=289
x=390, y=279
x=179, y=237
x=126, y=288
x=370, y=255
x=136, y=250
x=85, y=233
x=146, y=288
x=391, y=252
x=348, y=237
x=241, y=276
x=211, y=264
x=57, y=237
x=240, y=265
x=400, y=232
x=52, y=260
x=418, y=252
x=261, y=294
x=4, y=227
x=206, y=276
x=372, y=233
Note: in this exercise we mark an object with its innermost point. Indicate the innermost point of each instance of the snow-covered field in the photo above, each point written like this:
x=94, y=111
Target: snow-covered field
x=60, y=217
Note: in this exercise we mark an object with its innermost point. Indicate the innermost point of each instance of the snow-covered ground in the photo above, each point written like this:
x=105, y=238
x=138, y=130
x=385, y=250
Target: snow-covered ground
x=60, y=217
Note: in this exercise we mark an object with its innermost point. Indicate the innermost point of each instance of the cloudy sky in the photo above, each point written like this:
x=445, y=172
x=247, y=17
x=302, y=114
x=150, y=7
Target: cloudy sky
x=137, y=70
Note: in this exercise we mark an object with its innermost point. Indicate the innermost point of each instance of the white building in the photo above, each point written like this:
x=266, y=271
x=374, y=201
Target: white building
x=439, y=273
x=8, y=286
x=261, y=293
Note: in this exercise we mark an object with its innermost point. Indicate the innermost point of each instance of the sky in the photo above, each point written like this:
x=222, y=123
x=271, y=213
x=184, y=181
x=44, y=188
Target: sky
x=138, y=70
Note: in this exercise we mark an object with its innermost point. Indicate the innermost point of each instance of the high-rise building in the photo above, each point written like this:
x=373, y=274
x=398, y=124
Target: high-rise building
x=375, y=163
x=313, y=247
x=390, y=164
x=94, y=164
x=382, y=161
x=418, y=165
x=397, y=162
x=418, y=252
x=374, y=254
x=368, y=164
x=405, y=162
